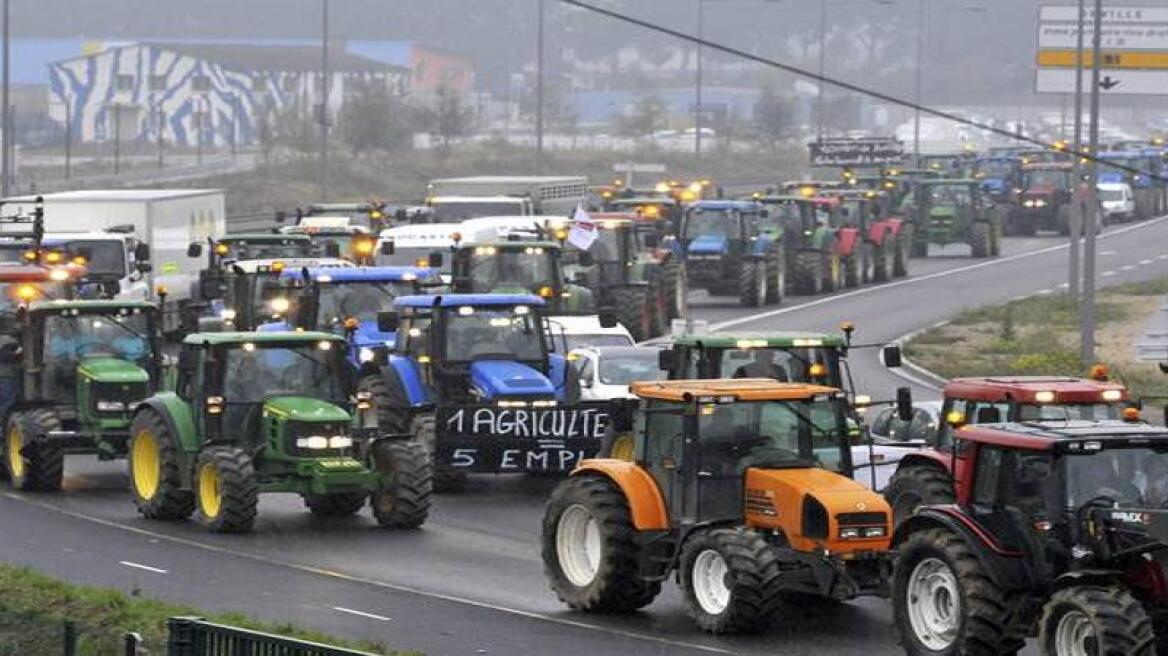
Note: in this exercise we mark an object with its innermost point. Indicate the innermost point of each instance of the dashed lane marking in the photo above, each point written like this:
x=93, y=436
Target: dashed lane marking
x=1145, y=262
x=1127, y=267
x=1107, y=274
x=360, y=613
x=156, y=570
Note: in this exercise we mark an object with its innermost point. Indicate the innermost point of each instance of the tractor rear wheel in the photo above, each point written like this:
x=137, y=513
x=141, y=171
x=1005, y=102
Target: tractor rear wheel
x=226, y=493
x=944, y=601
x=752, y=283
x=853, y=269
x=658, y=306
x=995, y=238
x=776, y=277
x=632, y=304
x=885, y=260
x=34, y=464
x=672, y=277
x=402, y=499
x=390, y=412
x=807, y=274
x=914, y=486
x=589, y=548
x=731, y=579
x=156, y=469
x=445, y=478
x=338, y=504
x=1105, y=620
x=979, y=239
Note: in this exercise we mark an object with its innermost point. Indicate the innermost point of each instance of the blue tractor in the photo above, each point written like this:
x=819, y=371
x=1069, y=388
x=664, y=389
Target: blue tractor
x=728, y=251
x=999, y=175
x=471, y=376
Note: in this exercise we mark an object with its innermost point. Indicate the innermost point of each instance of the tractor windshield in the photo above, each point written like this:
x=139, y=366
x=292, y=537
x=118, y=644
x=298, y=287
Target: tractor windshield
x=493, y=268
x=781, y=215
x=1131, y=477
x=105, y=259
x=1043, y=178
x=268, y=249
x=1070, y=412
x=796, y=364
x=712, y=222
x=773, y=434
x=253, y=372
x=950, y=195
x=358, y=299
x=995, y=168
x=70, y=338
x=625, y=368
x=484, y=333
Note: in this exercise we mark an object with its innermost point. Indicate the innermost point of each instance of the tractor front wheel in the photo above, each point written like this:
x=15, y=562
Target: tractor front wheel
x=944, y=601
x=390, y=411
x=776, y=278
x=731, y=580
x=885, y=260
x=33, y=463
x=752, y=283
x=914, y=486
x=807, y=275
x=338, y=504
x=979, y=239
x=589, y=548
x=402, y=498
x=1096, y=619
x=632, y=310
x=853, y=269
x=156, y=470
x=226, y=493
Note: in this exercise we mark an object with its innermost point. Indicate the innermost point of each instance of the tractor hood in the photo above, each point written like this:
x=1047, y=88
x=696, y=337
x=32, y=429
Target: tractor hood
x=368, y=335
x=994, y=185
x=1111, y=176
x=112, y=370
x=496, y=379
x=709, y=245
x=302, y=408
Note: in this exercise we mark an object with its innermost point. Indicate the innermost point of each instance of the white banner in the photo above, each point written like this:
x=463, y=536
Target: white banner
x=583, y=232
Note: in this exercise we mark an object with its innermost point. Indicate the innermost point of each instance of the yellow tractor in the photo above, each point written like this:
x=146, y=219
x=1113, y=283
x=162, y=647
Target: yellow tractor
x=741, y=487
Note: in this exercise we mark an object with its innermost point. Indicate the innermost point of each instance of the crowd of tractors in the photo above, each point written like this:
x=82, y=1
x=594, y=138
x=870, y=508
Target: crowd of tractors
x=370, y=356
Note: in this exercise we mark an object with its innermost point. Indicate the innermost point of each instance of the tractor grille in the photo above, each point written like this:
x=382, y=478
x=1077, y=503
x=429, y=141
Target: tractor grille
x=759, y=503
x=128, y=394
x=862, y=519
x=296, y=430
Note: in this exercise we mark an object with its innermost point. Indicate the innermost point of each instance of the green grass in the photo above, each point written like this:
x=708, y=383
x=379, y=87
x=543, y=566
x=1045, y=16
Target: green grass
x=33, y=608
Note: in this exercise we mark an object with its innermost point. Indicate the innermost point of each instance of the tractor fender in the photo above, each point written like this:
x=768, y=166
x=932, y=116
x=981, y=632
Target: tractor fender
x=177, y=416
x=407, y=374
x=877, y=233
x=846, y=240
x=824, y=240
x=1007, y=568
x=1086, y=576
x=926, y=458
x=645, y=501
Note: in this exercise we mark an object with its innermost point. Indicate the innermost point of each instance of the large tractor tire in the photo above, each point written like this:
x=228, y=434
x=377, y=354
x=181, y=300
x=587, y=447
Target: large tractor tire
x=867, y=251
x=402, y=500
x=155, y=465
x=808, y=273
x=944, y=601
x=979, y=239
x=33, y=463
x=632, y=304
x=853, y=269
x=390, y=413
x=1105, y=620
x=904, y=248
x=913, y=486
x=776, y=278
x=337, y=504
x=1063, y=220
x=995, y=238
x=752, y=283
x=445, y=478
x=590, y=550
x=673, y=285
x=226, y=491
x=658, y=306
x=731, y=579
x=884, y=256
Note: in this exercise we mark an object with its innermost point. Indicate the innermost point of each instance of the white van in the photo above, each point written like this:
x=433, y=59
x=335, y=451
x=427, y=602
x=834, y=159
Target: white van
x=1119, y=205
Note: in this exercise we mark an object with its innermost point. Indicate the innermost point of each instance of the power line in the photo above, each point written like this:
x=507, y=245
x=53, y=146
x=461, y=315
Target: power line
x=847, y=86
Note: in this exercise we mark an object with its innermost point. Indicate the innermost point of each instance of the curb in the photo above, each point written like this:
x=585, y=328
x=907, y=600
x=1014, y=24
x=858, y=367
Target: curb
x=920, y=375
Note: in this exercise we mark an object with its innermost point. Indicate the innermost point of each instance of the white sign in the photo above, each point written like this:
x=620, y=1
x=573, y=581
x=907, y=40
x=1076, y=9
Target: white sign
x=1125, y=82
x=583, y=233
x=1111, y=15
x=1062, y=36
x=629, y=167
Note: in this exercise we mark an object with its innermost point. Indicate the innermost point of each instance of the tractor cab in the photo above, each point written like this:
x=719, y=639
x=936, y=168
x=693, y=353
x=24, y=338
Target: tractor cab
x=253, y=292
x=662, y=214
x=374, y=215
x=222, y=252
x=810, y=358
x=423, y=245
x=999, y=175
x=336, y=236
x=518, y=265
x=727, y=249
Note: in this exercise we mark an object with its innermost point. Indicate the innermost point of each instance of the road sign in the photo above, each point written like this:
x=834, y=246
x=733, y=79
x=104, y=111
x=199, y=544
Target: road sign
x=1135, y=49
x=855, y=152
x=629, y=167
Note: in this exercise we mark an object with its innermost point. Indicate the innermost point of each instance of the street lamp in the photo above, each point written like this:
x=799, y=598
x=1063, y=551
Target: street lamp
x=819, y=95
x=921, y=16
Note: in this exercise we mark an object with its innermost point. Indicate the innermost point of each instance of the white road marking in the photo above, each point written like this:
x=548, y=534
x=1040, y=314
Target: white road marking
x=156, y=570
x=1145, y=262
x=1107, y=274
x=1107, y=253
x=1127, y=267
x=1020, y=297
x=1043, y=292
x=918, y=279
x=1162, y=256
x=358, y=613
x=1063, y=285
x=308, y=569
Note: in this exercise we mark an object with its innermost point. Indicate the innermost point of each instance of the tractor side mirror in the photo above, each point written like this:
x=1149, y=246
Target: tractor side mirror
x=194, y=250
x=586, y=259
x=332, y=249
x=388, y=321
x=890, y=356
x=435, y=260
x=607, y=318
x=142, y=252
x=666, y=360
x=111, y=288
x=387, y=247
x=904, y=404
x=281, y=216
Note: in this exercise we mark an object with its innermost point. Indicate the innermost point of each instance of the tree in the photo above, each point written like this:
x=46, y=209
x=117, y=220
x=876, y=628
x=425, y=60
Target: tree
x=772, y=117
x=373, y=118
x=295, y=129
x=449, y=117
x=646, y=116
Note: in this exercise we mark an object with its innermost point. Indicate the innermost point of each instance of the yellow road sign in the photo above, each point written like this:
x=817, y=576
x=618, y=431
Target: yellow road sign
x=1110, y=59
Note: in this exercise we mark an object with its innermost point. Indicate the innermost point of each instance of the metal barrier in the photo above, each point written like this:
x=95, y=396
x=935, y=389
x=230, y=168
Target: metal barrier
x=192, y=636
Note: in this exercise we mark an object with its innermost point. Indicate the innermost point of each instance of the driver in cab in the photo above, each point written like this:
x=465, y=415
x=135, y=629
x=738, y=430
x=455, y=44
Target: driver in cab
x=763, y=365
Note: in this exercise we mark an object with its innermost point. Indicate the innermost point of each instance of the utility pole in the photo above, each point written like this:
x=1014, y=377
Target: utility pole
x=1077, y=211
x=1087, y=311
x=6, y=138
x=917, y=82
x=117, y=109
x=161, y=136
x=698, y=84
x=68, y=140
x=539, y=63
x=324, y=100
x=822, y=68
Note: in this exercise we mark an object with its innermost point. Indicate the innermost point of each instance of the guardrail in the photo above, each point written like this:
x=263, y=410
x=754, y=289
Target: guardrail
x=192, y=636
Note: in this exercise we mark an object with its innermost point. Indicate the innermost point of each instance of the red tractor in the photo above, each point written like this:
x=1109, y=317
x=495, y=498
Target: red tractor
x=925, y=473
x=886, y=238
x=1057, y=530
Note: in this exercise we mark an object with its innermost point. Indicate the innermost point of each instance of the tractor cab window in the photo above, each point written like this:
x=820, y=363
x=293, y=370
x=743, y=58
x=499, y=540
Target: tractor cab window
x=413, y=337
x=713, y=222
x=71, y=338
x=663, y=438
x=485, y=333
x=823, y=215
x=1133, y=478
x=493, y=268
x=269, y=249
x=105, y=259
x=361, y=300
x=995, y=168
x=771, y=434
x=1073, y=412
x=951, y=195
x=1047, y=178
x=1014, y=479
x=252, y=373
x=781, y=364
x=779, y=216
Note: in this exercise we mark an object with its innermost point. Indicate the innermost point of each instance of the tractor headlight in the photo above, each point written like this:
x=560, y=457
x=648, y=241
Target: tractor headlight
x=227, y=314
x=366, y=354
x=874, y=532
x=849, y=533
x=364, y=401
x=111, y=406
x=312, y=442
x=340, y=442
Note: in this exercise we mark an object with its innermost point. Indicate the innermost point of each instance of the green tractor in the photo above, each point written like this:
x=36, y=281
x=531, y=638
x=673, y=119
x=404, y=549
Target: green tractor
x=952, y=211
x=269, y=412
x=519, y=266
x=75, y=371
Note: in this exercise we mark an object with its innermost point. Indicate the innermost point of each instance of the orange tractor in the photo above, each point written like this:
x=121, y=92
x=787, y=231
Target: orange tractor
x=740, y=487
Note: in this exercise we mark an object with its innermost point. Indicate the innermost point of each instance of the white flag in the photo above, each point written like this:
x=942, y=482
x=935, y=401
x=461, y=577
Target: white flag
x=583, y=232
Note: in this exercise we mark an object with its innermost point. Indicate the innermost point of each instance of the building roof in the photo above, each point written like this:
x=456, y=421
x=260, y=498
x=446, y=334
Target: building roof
x=243, y=57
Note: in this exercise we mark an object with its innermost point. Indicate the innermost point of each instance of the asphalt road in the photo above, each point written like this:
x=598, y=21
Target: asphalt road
x=470, y=581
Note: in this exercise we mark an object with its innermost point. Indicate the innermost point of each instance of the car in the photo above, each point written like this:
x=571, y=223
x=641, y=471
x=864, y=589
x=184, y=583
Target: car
x=607, y=371
x=1119, y=205
x=886, y=426
x=873, y=464
x=575, y=331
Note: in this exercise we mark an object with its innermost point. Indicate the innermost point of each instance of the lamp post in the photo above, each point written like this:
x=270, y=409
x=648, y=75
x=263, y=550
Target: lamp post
x=819, y=87
x=1087, y=308
x=1077, y=211
x=539, y=75
x=917, y=82
x=324, y=99
x=5, y=111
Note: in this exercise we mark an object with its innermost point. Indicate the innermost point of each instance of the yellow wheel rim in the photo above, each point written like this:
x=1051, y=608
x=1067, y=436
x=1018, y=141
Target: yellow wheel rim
x=146, y=464
x=210, y=500
x=623, y=448
x=15, y=444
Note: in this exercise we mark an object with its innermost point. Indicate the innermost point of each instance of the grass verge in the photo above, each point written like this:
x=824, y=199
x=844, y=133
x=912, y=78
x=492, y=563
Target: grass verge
x=34, y=607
